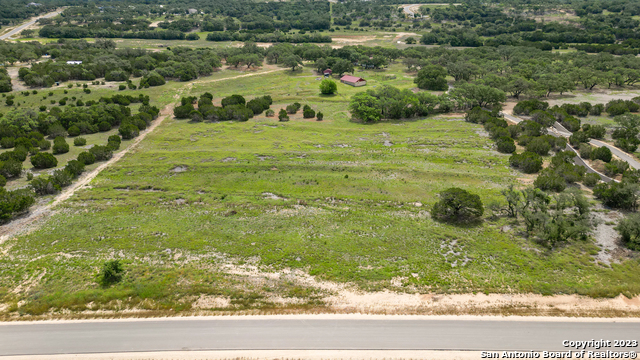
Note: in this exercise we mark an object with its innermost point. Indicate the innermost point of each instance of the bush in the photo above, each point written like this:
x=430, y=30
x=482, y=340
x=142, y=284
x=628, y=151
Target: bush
x=308, y=112
x=233, y=100
x=128, y=131
x=549, y=180
x=527, y=106
x=79, y=141
x=14, y=202
x=111, y=273
x=10, y=168
x=539, y=145
x=585, y=151
x=602, y=153
x=527, y=162
x=270, y=113
x=456, y=204
x=44, y=145
x=282, y=115
x=319, y=116
x=328, y=87
x=75, y=168
x=86, y=158
x=591, y=179
x=293, y=108
x=622, y=195
x=101, y=153
x=7, y=142
x=596, y=110
x=44, y=161
x=60, y=146
x=3, y=181
x=506, y=145
x=629, y=230
x=183, y=111
x=615, y=167
x=56, y=130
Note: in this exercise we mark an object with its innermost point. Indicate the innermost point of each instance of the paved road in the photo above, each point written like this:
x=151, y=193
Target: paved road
x=302, y=334
x=18, y=29
x=617, y=152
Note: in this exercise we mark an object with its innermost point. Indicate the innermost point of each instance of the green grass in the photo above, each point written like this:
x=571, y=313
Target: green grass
x=336, y=199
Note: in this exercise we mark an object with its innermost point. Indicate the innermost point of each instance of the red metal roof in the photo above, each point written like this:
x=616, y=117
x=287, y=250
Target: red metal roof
x=350, y=78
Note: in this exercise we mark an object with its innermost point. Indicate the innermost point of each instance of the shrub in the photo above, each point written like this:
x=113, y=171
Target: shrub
x=44, y=145
x=282, y=115
x=128, y=131
x=585, y=151
x=539, y=146
x=615, y=167
x=591, y=179
x=270, y=113
x=3, y=181
x=292, y=109
x=528, y=162
x=549, y=180
x=7, y=142
x=111, y=273
x=10, y=168
x=527, y=106
x=86, y=158
x=75, y=168
x=328, y=87
x=104, y=126
x=319, y=116
x=506, y=145
x=79, y=141
x=596, y=110
x=602, y=153
x=183, y=111
x=308, y=112
x=622, y=195
x=233, y=100
x=60, y=146
x=14, y=202
x=101, y=153
x=44, y=161
x=456, y=204
x=629, y=230
x=56, y=130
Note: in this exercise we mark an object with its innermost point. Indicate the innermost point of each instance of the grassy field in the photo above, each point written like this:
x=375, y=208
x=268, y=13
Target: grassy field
x=343, y=201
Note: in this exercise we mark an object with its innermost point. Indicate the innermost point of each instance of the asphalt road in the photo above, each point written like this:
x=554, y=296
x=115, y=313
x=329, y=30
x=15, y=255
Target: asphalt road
x=18, y=29
x=302, y=334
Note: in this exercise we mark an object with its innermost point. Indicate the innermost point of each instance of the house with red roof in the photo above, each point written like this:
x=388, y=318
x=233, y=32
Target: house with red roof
x=353, y=80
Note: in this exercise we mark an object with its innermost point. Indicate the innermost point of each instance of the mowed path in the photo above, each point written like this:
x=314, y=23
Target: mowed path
x=27, y=223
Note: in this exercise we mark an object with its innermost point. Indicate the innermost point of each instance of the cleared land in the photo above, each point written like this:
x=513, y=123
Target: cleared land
x=197, y=204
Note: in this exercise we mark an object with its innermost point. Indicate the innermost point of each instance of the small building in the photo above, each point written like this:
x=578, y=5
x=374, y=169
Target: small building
x=74, y=62
x=327, y=72
x=192, y=11
x=353, y=80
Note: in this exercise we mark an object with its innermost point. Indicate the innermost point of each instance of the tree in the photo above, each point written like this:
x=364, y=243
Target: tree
x=432, y=77
x=342, y=66
x=365, y=107
x=328, y=87
x=282, y=115
x=456, y=204
x=478, y=95
x=410, y=40
x=629, y=230
x=506, y=145
x=43, y=161
x=292, y=61
x=60, y=145
x=111, y=273
x=622, y=195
